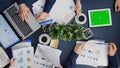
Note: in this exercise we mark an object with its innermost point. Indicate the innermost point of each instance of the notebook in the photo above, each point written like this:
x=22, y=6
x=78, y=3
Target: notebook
x=23, y=28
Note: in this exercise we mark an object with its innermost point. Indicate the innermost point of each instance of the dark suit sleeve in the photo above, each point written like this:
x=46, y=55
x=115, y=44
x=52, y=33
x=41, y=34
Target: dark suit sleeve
x=20, y=1
x=71, y=61
x=112, y=62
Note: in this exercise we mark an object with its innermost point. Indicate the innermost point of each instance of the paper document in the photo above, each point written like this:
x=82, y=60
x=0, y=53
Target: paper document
x=94, y=54
x=24, y=55
x=103, y=58
x=62, y=11
x=46, y=57
x=38, y=6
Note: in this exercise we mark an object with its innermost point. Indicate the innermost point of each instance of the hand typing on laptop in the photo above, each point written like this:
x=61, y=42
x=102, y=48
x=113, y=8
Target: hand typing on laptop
x=24, y=12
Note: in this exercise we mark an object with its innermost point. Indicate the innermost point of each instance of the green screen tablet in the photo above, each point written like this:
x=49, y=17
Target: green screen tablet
x=99, y=17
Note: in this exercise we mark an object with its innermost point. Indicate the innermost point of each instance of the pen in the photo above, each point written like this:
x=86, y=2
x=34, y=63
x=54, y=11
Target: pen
x=45, y=21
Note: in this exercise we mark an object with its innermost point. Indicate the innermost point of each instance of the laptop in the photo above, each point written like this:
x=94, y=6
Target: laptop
x=7, y=35
x=23, y=28
x=15, y=30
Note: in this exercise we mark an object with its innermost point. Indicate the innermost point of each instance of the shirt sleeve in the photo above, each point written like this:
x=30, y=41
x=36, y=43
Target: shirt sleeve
x=20, y=1
x=112, y=62
x=70, y=63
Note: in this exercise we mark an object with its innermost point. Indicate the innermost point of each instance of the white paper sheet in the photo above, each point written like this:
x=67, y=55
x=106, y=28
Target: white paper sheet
x=103, y=58
x=24, y=55
x=47, y=56
x=94, y=54
x=38, y=6
x=62, y=11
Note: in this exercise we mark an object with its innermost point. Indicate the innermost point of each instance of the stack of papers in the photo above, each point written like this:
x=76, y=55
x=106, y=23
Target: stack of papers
x=94, y=53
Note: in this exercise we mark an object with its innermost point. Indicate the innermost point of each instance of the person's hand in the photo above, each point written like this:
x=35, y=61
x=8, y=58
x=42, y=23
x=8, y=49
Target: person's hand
x=117, y=5
x=112, y=49
x=78, y=7
x=41, y=16
x=78, y=48
x=12, y=62
x=60, y=66
x=24, y=12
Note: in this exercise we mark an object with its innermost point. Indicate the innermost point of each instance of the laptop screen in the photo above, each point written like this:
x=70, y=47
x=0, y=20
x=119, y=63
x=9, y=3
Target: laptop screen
x=7, y=35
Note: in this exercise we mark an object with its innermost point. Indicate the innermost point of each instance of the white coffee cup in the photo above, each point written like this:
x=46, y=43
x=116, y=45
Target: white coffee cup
x=44, y=39
x=81, y=18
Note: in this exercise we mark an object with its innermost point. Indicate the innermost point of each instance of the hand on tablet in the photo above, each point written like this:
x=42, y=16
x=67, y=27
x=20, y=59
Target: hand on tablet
x=24, y=12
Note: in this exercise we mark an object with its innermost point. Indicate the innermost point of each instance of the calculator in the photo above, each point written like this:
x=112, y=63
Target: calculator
x=4, y=60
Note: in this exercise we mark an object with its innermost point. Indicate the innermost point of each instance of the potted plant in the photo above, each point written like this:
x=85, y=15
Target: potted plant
x=66, y=32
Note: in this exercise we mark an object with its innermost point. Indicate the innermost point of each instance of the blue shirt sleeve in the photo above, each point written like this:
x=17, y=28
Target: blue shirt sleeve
x=70, y=63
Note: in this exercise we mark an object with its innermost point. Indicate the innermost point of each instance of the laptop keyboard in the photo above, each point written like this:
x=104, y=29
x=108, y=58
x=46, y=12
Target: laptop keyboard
x=23, y=26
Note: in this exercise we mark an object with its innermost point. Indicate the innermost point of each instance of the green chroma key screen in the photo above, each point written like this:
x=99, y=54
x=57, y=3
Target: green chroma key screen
x=99, y=17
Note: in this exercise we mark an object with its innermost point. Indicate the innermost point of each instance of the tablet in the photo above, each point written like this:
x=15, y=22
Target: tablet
x=99, y=17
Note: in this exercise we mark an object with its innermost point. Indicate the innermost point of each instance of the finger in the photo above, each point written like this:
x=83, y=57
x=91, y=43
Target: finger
x=110, y=51
x=25, y=17
x=22, y=17
x=28, y=14
x=28, y=11
x=79, y=12
x=116, y=7
x=38, y=15
x=113, y=49
x=113, y=46
x=12, y=61
x=35, y=15
x=81, y=46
